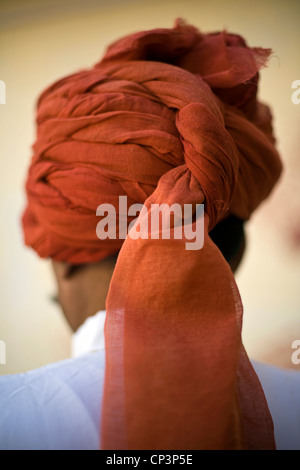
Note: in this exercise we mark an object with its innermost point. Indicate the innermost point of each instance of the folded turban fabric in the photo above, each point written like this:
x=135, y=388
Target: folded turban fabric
x=167, y=116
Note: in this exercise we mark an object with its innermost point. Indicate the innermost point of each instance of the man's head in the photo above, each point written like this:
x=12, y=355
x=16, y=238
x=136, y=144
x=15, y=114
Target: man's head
x=168, y=115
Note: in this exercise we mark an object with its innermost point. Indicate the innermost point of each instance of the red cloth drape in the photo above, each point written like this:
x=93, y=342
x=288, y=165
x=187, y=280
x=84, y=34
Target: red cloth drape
x=167, y=116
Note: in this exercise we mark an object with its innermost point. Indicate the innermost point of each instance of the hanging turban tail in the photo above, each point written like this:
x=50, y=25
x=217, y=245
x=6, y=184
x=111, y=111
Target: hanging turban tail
x=167, y=116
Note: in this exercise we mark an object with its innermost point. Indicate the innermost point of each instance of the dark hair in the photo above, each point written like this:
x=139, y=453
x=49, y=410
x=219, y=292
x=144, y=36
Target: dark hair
x=228, y=235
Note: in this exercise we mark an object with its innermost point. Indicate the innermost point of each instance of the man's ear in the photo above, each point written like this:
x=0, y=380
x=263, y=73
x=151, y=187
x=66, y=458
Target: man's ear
x=64, y=270
x=72, y=269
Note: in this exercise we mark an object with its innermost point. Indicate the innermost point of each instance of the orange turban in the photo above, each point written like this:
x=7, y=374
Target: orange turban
x=167, y=116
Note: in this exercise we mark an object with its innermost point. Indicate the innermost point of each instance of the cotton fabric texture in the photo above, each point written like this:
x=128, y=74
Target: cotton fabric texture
x=167, y=116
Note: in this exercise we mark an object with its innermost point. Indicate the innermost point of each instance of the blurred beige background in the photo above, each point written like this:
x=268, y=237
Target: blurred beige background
x=42, y=41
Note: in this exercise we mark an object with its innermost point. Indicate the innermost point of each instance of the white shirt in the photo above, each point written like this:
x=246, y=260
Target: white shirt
x=58, y=406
